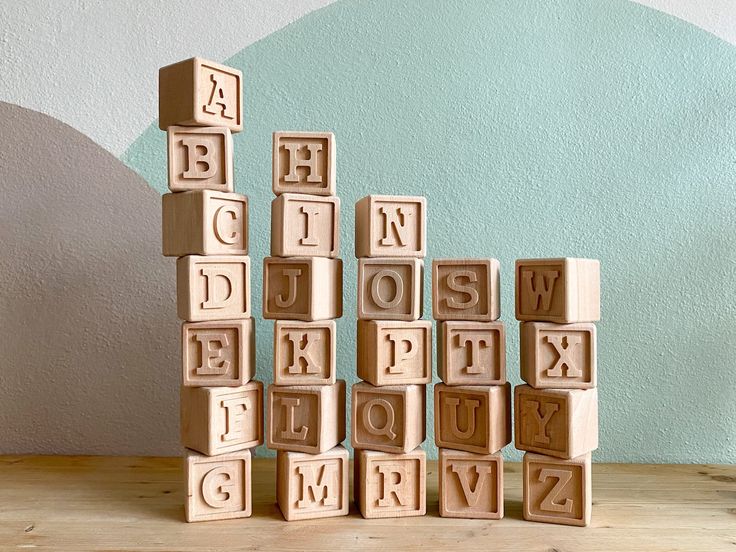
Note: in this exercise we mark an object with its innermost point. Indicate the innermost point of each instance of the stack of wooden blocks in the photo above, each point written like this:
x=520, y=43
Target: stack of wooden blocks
x=205, y=225
x=302, y=292
x=556, y=414
x=393, y=357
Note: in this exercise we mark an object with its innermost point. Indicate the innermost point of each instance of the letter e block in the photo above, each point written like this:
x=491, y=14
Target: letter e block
x=391, y=485
x=471, y=485
x=466, y=289
x=395, y=353
x=304, y=353
x=218, y=487
x=218, y=354
x=391, y=226
x=471, y=353
x=390, y=289
x=213, y=287
x=200, y=158
x=305, y=225
x=304, y=163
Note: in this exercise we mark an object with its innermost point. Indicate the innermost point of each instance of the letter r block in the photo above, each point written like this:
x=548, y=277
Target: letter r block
x=305, y=225
x=304, y=353
x=390, y=289
x=395, y=353
x=213, y=287
x=218, y=354
x=218, y=487
x=471, y=353
x=466, y=289
x=304, y=163
x=471, y=485
x=200, y=158
x=391, y=226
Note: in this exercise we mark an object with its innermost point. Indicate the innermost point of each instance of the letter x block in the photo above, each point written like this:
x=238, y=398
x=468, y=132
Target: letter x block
x=471, y=353
x=556, y=422
x=471, y=485
x=391, y=226
x=305, y=225
x=304, y=353
x=558, y=290
x=218, y=487
x=304, y=163
x=213, y=287
x=200, y=158
x=390, y=289
x=218, y=354
x=466, y=289
x=395, y=353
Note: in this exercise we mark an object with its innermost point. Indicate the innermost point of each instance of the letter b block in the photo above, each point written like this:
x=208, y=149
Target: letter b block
x=466, y=289
x=213, y=287
x=305, y=225
x=304, y=353
x=218, y=354
x=471, y=485
x=200, y=159
x=391, y=226
x=395, y=353
x=218, y=487
x=390, y=289
x=304, y=163
x=471, y=353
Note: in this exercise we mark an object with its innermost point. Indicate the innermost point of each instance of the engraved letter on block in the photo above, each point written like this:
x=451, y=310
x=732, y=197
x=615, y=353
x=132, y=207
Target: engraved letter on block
x=395, y=353
x=304, y=163
x=213, y=287
x=471, y=485
x=466, y=289
x=390, y=226
x=218, y=354
x=218, y=487
x=304, y=353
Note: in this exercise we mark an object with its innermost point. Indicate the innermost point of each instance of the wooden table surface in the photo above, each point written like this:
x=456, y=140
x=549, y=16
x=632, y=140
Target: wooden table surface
x=103, y=503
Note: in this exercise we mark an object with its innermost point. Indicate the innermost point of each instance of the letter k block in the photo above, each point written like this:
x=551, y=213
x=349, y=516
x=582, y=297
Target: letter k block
x=304, y=353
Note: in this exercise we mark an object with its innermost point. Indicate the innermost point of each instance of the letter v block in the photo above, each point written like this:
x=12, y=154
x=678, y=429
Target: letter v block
x=218, y=487
x=390, y=289
x=305, y=225
x=200, y=158
x=395, y=353
x=471, y=353
x=215, y=287
x=471, y=485
x=391, y=226
x=466, y=289
x=304, y=163
x=304, y=353
x=218, y=354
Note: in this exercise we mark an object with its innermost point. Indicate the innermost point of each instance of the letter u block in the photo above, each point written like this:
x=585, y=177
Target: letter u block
x=558, y=290
x=471, y=485
x=466, y=289
x=213, y=287
x=471, y=353
x=388, y=419
x=305, y=225
x=218, y=354
x=304, y=163
x=391, y=226
x=304, y=353
x=310, y=486
x=302, y=288
x=395, y=353
x=216, y=420
x=472, y=418
x=218, y=487
x=390, y=289
x=200, y=158
x=307, y=419
x=556, y=422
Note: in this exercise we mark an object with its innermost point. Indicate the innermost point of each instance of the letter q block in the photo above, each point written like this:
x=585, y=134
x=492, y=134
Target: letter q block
x=466, y=289
x=391, y=226
x=304, y=163
x=218, y=487
x=471, y=353
x=390, y=289
x=304, y=353
x=200, y=158
x=214, y=287
x=218, y=354
x=471, y=485
x=305, y=225
x=395, y=353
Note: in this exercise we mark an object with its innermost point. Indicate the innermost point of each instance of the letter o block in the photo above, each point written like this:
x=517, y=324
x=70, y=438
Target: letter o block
x=304, y=163
x=218, y=354
x=466, y=289
x=471, y=485
x=395, y=353
x=391, y=226
x=304, y=353
x=200, y=159
x=390, y=289
x=471, y=353
x=305, y=225
x=218, y=487
x=213, y=287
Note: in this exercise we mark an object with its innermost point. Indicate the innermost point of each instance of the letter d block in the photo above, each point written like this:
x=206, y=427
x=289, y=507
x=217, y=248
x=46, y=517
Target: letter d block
x=395, y=353
x=466, y=289
x=213, y=287
x=556, y=422
x=218, y=354
x=218, y=487
x=472, y=418
x=304, y=163
x=471, y=353
x=200, y=159
x=305, y=225
x=390, y=289
x=471, y=485
x=304, y=353
x=391, y=226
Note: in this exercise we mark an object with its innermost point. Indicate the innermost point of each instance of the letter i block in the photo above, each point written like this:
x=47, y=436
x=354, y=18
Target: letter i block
x=216, y=420
x=557, y=491
x=307, y=419
x=304, y=353
x=391, y=226
x=390, y=289
x=388, y=419
x=218, y=487
x=304, y=163
x=471, y=353
x=395, y=353
x=213, y=287
x=556, y=422
x=310, y=486
x=302, y=288
x=558, y=290
x=471, y=485
x=200, y=159
x=218, y=354
x=472, y=418
x=305, y=225
x=466, y=289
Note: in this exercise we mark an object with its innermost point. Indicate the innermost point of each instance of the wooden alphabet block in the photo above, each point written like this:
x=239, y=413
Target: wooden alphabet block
x=388, y=419
x=470, y=485
x=216, y=420
x=204, y=223
x=305, y=225
x=302, y=288
x=218, y=354
x=466, y=289
x=307, y=419
x=304, y=163
x=556, y=422
x=557, y=491
x=395, y=353
x=390, y=485
x=472, y=418
x=304, y=353
x=558, y=356
x=310, y=486
x=390, y=289
x=218, y=487
x=200, y=158
x=215, y=287
x=471, y=353
x=391, y=226
x=563, y=290
x=198, y=92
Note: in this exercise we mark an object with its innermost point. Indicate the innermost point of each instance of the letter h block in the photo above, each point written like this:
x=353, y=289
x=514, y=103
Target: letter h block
x=200, y=158
x=390, y=289
x=214, y=287
x=466, y=289
x=304, y=163
x=395, y=353
x=305, y=226
x=218, y=487
x=304, y=353
x=471, y=485
x=391, y=226
x=471, y=353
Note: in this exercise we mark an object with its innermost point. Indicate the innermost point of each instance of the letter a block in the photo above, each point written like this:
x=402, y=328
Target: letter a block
x=390, y=289
x=471, y=353
x=472, y=418
x=391, y=226
x=466, y=289
x=304, y=163
x=471, y=485
x=558, y=290
x=307, y=419
x=215, y=420
x=557, y=491
x=388, y=419
x=305, y=225
x=200, y=158
x=395, y=353
x=556, y=422
x=310, y=486
x=304, y=353
x=218, y=354
x=218, y=487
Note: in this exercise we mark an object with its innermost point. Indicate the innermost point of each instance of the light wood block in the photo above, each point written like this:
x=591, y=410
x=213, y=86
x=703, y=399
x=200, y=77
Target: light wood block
x=218, y=487
x=471, y=353
x=557, y=491
x=204, y=223
x=558, y=290
x=302, y=288
x=558, y=356
x=556, y=422
x=311, y=486
x=218, y=354
x=199, y=92
x=391, y=226
x=215, y=287
x=472, y=418
x=200, y=158
x=390, y=289
x=466, y=289
x=470, y=485
x=307, y=419
x=394, y=352
x=305, y=225
x=388, y=419
x=304, y=163
x=304, y=353
x=216, y=420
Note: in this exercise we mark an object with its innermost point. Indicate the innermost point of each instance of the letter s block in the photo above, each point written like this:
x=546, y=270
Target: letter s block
x=200, y=158
x=218, y=487
x=466, y=289
x=304, y=163
x=304, y=353
x=218, y=354
x=391, y=226
x=471, y=353
x=390, y=289
x=305, y=225
x=213, y=287
x=471, y=485
x=395, y=353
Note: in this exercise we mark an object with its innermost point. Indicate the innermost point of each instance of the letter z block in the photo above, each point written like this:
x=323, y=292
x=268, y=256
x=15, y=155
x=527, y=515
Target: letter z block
x=395, y=353
x=466, y=289
x=471, y=353
x=390, y=289
x=304, y=353
x=471, y=485
x=391, y=226
x=304, y=163
x=305, y=225
x=200, y=158
x=218, y=354
x=218, y=487
x=213, y=287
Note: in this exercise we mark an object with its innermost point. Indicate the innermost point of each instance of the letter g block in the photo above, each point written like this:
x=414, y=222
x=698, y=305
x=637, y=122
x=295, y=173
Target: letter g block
x=466, y=289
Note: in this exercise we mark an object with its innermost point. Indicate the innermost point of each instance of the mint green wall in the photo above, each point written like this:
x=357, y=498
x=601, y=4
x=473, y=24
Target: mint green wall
x=596, y=129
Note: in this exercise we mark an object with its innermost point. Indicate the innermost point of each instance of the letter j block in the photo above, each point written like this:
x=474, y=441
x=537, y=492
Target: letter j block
x=391, y=226
x=213, y=287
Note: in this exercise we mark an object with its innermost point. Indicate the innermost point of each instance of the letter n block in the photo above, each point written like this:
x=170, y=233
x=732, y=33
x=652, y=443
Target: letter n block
x=471, y=353
x=390, y=289
x=304, y=353
x=305, y=225
x=218, y=487
x=213, y=287
x=304, y=163
x=218, y=354
x=391, y=226
x=395, y=353
x=471, y=485
x=200, y=158
x=472, y=418
x=556, y=422
x=466, y=289
x=310, y=486
x=557, y=491
x=558, y=290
